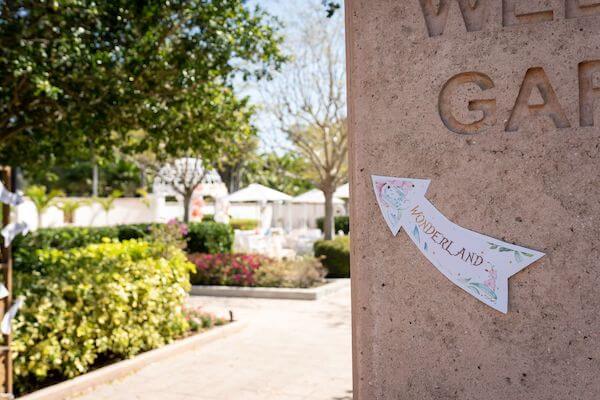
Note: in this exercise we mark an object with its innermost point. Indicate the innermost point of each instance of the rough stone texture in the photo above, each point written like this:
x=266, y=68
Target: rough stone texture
x=417, y=335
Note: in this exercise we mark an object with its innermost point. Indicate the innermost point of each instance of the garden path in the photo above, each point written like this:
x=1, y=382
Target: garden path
x=290, y=350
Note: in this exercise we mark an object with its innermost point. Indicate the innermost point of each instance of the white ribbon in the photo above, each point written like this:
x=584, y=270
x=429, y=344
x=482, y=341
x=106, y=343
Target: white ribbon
x=6, y=325
x=8, y=197
x=479, y=264
x=3, y=291
x=11, y=231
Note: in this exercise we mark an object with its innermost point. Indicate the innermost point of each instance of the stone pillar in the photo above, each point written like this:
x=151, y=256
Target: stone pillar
x=498, y=103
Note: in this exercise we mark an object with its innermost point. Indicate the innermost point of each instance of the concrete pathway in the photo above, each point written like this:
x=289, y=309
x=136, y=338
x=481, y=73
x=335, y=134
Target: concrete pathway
x=290, y=350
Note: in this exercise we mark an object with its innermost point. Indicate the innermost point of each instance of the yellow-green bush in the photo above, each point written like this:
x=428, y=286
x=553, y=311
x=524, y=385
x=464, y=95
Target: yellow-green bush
x=95, y=303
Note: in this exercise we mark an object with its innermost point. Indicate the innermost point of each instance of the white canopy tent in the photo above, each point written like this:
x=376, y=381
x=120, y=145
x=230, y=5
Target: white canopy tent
x=256, y=193
x=310, y=205
x=260, y=198
x=314, y=196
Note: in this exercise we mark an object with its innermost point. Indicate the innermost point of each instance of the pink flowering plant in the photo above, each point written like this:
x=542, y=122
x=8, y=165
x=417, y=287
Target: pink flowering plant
x=226, y=269
x=199, y=320
x=256, y=270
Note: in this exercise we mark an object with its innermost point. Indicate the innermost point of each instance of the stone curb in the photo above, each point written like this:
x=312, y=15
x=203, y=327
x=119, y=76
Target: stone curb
x=91, y=380
x=333, y=285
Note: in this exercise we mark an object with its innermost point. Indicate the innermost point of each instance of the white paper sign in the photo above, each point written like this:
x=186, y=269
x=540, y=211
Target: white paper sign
x=10, y=198
x=479, y=264
x=11, y=231
x=6, y=325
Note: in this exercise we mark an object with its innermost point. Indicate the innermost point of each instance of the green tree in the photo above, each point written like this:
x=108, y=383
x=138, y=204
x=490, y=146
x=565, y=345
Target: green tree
x=78, y=75
x=234, y=167
x=75, y=179
x=42, y=199
x=68, y=207
x=210, y=123
x=285, y=172
x=107, y=203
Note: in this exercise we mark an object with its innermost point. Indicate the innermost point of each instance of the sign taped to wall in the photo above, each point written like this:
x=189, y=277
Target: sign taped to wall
x=479, y=264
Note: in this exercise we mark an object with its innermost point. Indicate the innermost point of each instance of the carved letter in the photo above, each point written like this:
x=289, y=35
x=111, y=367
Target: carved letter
x=487, y=107
x=510, y=16
x=474, y=14
x=537, y=78
x=574, y=9
x=588, y=91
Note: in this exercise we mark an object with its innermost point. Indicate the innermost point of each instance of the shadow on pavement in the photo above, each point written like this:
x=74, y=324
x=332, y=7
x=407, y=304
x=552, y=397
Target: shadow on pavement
x=348, y=396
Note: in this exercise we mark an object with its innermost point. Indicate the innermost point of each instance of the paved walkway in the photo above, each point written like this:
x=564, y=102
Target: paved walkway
x=290, y=350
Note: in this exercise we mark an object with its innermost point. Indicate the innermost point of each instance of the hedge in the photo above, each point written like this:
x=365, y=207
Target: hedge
x=209, y=237
x=25, y=247
x=96, y=303
x=243, y=224
x=208, y=218
x=341, y=223
x=335, y=256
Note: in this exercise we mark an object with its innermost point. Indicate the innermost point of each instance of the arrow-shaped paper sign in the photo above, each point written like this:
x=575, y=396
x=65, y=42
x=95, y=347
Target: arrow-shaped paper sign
x=479, y=264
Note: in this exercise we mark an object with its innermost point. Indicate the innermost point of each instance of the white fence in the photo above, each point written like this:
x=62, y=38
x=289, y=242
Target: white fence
x=156, y=209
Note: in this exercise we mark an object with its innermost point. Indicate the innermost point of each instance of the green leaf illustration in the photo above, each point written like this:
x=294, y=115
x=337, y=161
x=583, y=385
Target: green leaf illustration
x=518, y=256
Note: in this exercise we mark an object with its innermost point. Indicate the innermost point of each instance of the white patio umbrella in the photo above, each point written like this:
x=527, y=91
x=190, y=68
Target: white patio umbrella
x=256, y=193
x=314, y=196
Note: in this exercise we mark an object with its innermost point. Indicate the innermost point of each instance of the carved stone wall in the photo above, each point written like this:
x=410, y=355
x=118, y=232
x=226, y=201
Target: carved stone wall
x=498, y=102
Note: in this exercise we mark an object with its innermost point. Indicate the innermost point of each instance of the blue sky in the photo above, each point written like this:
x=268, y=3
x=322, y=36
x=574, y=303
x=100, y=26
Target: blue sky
x=290, y=13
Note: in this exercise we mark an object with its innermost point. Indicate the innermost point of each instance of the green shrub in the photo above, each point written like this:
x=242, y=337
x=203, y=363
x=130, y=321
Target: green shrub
x=244, y=224
x=341, y=223
x=24, y=247
x=208, y=218
x=65, y=238
x=134, y=231
x=96, y=303
x=305, y=272
x=335, y=256
x=209, y=237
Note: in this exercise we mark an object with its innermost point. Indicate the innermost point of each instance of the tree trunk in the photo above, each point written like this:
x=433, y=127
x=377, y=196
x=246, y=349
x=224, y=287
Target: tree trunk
x=187, y=200
x=328, y=224
x=95, y=180
x=143, y=179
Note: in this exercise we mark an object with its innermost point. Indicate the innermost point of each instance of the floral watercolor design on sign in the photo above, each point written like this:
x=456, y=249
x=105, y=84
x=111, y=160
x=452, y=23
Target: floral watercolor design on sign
x=479, y=264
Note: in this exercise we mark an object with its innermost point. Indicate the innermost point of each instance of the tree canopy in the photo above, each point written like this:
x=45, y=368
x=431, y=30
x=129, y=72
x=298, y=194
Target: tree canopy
x=308, y=101
x=78, y=75
x=287, y=172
